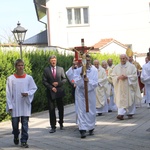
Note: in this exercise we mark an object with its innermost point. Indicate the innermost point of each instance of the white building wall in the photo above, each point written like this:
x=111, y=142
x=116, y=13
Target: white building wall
x=141, y=60
x=113, y=48
x=126, y=21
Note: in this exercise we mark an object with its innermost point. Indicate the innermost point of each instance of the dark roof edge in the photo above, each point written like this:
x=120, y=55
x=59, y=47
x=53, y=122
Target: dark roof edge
x=35, y=4
x=36, y=10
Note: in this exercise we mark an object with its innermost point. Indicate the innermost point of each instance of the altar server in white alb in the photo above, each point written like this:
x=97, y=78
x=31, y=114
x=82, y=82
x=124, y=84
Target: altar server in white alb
x=126, y=87
x=86, y=120
x=20, y=89
x=145, y=78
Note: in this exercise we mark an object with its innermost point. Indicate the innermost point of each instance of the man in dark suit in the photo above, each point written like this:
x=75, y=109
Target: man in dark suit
x=53, y=79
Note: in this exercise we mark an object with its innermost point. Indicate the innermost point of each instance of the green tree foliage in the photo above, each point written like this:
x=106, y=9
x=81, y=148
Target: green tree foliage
x=102, y=57
x=35, y=62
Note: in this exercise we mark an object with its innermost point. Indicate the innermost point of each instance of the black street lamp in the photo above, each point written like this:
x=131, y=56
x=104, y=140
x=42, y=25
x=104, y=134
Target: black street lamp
x=19, y=34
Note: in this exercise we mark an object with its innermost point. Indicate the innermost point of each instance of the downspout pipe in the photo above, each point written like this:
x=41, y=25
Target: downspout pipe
x=47, y=25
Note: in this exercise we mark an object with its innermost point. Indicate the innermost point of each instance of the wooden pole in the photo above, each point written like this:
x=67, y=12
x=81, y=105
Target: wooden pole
x=85, y=81
x=86, y=94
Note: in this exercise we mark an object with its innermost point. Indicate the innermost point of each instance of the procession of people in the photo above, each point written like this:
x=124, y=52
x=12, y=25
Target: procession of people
x=97, y=88
x=117, y=89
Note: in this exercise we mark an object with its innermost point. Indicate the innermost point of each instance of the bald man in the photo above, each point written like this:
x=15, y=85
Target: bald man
x=110, y=63
x=126, y=88
x=102, y=90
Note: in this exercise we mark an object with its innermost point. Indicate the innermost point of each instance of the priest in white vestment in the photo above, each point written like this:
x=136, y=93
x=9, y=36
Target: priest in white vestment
x=145, y=78
x=111, y=105
x=126, y=87
x=102, y=90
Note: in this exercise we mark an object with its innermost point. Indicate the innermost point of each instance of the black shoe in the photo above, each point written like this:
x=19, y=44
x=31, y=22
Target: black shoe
x=52, y=130
x=24, y=145
x=91, y=132
x=120, y=117
x=130, y=116
x=109, y=110
x=16, y=141
x=99, y=114
x=83, y=134
x=61, y=127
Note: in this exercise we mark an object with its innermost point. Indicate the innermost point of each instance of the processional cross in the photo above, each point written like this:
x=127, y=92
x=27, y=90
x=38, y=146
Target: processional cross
x=80, y=55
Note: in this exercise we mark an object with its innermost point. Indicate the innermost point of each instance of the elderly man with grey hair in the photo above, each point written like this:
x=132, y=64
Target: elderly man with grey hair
x=126, y=88
x=102, y=90
x=110, y=63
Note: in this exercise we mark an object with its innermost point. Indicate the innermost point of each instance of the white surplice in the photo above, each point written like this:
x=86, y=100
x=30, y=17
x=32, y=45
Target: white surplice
x=145, y=78
x=70, y=76
x=86, y=120
x=21, y=106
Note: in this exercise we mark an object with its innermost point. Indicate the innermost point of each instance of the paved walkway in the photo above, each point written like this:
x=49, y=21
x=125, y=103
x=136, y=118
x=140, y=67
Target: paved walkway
x=110, y=133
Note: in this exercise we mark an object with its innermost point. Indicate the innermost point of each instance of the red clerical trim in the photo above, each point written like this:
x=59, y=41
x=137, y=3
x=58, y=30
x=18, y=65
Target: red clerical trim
x=72, y=81
x=17, y=76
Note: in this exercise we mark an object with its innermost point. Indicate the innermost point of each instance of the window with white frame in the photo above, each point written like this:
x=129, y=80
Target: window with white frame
x=78, y=16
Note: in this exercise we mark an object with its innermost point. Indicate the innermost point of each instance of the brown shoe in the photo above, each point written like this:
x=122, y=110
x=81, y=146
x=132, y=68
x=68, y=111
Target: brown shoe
x=120, y=117
x=130, y=116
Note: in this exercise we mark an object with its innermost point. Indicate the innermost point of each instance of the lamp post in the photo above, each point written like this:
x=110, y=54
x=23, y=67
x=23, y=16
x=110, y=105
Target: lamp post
x=19, y=34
